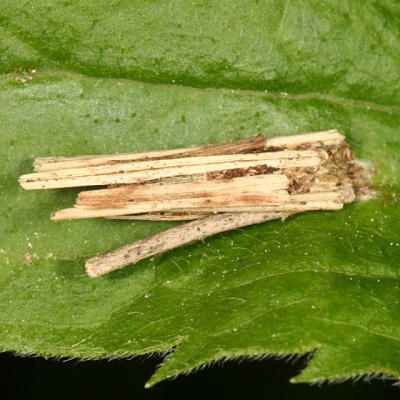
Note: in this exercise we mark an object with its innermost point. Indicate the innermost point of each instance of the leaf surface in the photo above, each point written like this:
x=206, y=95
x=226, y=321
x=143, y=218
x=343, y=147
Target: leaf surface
x=134, y=76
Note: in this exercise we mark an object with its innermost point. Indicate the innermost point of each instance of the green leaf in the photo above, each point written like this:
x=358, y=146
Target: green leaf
x=323, y=281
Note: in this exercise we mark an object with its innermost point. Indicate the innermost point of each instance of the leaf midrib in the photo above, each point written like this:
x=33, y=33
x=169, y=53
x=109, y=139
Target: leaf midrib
x=393, y=110
x=223, y=90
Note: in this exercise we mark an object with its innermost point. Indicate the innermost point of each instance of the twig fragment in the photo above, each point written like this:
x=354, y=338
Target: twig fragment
x=174, y=237
x=43, y=164
x=142, y=171
x=214, y=196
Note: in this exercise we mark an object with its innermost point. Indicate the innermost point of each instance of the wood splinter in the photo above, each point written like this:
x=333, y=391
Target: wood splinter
x=174, y=237
x=218, y=188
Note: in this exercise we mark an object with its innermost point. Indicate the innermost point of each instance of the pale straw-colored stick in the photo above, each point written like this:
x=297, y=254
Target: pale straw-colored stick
x=268, y=189
x=42, y=164
x=243, y=202
x=313, y=139
x=277, y=201
x=201, y=188
x=142, y=171
x=255, y=203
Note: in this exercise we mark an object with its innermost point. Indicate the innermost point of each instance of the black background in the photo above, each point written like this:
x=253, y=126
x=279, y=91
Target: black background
x=37, y=377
